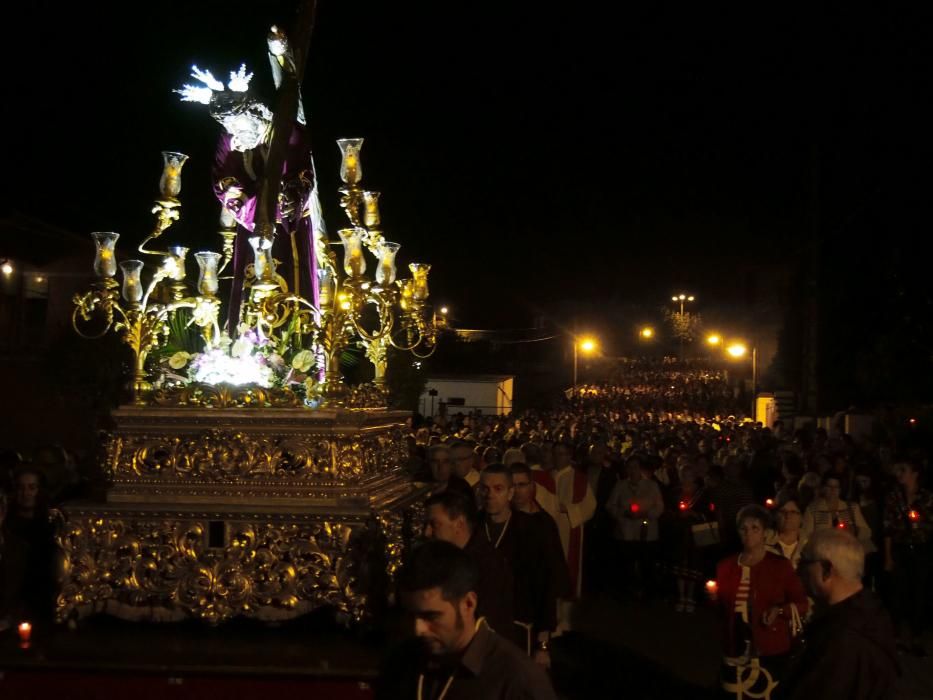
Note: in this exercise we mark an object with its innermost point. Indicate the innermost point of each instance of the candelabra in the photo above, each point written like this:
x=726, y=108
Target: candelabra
x=295, y=328
x=142, y=324
x=402, y=303
x=227, y=498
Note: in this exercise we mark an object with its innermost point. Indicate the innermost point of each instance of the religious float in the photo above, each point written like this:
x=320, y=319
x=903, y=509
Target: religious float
x=247, y=479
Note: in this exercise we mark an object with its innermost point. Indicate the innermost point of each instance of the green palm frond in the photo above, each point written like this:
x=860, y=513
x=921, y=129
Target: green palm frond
x=351, y=357
x=181, y=335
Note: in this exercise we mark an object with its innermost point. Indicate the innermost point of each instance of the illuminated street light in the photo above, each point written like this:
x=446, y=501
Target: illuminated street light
x=6, y=268
x=647, y=333
x=444, y=310
x=714, y=339
x=588, y=346
x=737, y=350
x=681, y=299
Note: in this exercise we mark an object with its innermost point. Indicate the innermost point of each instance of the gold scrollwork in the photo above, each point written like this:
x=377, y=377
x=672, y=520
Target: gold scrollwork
x=267, y=571
x=232, y=455
x=366, y=396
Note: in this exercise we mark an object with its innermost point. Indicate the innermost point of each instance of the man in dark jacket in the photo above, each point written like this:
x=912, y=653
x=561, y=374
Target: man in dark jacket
x=519, y=538
x=455, y=656
x=452, y=517
x=850, y=650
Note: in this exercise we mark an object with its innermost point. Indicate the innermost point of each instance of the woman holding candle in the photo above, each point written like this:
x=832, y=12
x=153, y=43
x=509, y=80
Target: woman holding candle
x=908, y=549
x=760, y=599
x=692, y=508
x=832, y=511
x=635, y=505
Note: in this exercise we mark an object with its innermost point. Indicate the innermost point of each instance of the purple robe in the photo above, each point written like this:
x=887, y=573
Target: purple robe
x=247, y=169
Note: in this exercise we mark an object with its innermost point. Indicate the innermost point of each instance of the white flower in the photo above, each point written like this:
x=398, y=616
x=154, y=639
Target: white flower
x=242, y=347
x=303, y=360
x=179, y=360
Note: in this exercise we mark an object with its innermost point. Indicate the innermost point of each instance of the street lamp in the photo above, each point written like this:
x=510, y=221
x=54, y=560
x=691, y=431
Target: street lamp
x=442, y=319
x=714, y=339
x=646, y=333
x=681, y=299
x=738, y=350
x=585, y=344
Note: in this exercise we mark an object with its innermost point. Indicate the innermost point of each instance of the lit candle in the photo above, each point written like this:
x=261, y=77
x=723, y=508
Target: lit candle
x=682, y=505
x=350, y=169
x=105, y=261
x=371, y=216
x=355, y=263
x=25, y=632
x=769, y=503
x=712, y=588
x=132, y=285
x=841, y=525
x=914, y=516
x=351, y=165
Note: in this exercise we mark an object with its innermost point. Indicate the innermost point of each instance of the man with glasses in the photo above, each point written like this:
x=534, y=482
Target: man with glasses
x=788, y=541
x=462, y=462
x=850, y=650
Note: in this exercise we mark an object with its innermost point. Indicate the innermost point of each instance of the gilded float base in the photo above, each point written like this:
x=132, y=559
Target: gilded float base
x=194, y=529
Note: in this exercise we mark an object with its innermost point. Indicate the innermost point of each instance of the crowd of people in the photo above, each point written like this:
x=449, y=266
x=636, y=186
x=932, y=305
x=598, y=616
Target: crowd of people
x=650, y=487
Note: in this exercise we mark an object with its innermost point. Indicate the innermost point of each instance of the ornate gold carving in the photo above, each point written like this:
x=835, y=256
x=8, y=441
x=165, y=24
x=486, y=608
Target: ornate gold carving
x=234, y=456
x=367, y=396
x=264, y=570
x=313, y=507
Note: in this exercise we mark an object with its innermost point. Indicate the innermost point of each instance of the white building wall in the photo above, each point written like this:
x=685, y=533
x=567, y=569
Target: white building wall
x=492, y=397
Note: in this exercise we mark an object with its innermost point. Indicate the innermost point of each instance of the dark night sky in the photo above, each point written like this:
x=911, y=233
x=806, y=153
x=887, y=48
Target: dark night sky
x=592, y=149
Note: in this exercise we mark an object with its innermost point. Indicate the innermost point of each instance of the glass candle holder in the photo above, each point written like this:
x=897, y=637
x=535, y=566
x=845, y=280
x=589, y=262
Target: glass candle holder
x=354, y=264
x=132, y=284
x=419, y=274
x=170, y=182
x=326, y=287
x=178, y=254
x=371, y=216
x=351, y=171
x=406, y=294
x=385, y=271
x=207, y=279
x=263, y=266
x=105, y=259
